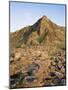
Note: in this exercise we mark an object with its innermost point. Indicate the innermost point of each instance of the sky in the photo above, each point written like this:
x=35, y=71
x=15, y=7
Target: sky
x=23, y=14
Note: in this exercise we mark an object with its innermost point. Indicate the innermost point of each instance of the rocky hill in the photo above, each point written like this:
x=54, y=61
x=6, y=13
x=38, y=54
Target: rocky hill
x=43, y=32
x=37, y=55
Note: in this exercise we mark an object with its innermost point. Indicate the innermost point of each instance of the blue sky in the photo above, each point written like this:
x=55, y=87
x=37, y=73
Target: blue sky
x=24, y=14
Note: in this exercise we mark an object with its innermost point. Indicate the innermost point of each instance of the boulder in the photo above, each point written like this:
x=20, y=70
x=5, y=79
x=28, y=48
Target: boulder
x=58, y=74
x=63, y=69
x=33, y=68
x=17, y=55
x=30, y=79
x=11, y=59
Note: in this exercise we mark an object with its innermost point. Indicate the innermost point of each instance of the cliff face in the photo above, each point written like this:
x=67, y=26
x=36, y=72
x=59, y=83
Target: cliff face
x=37, y=55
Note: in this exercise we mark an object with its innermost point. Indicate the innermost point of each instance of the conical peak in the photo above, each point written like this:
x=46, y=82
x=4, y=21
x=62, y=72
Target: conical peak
x=44, y=22
x=45, y=18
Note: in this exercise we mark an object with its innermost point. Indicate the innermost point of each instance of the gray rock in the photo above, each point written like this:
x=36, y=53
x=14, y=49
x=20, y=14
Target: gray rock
x=29, y=79
x=63, y=82
x=33, y=68
x=59, y=81
x=56, y=81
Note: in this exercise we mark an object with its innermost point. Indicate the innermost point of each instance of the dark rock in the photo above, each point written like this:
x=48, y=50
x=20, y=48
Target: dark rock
x=59, y=81
x=52, y=74
x=13, y=80
x=30, y=79
x=11, y=59
x=16, y=79
x=51, y=58
x=53, y=63
x=33, y=68
x=12, y=55
x=56, y=60
x=63, y=82
x=48, y=78
x=59, y=53
x=56, y=81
